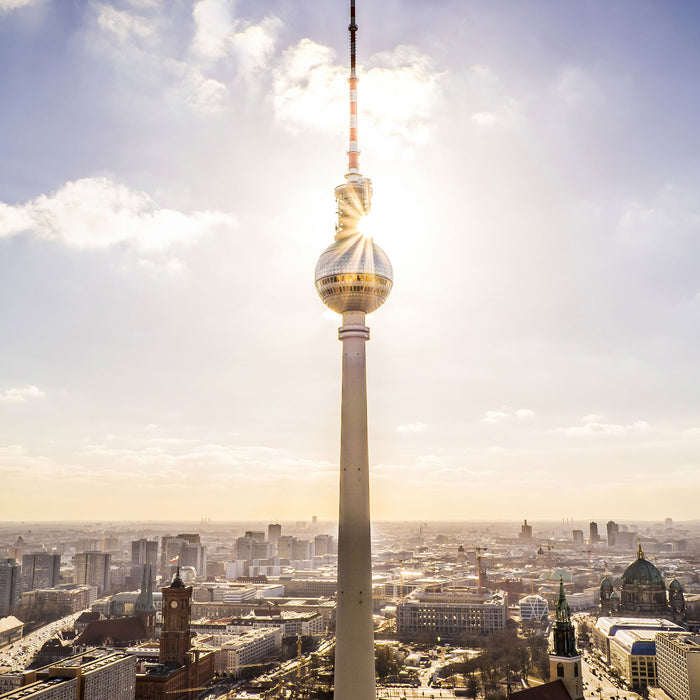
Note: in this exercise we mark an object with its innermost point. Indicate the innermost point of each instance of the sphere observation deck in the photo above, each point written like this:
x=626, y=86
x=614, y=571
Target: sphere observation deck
x=354, y=274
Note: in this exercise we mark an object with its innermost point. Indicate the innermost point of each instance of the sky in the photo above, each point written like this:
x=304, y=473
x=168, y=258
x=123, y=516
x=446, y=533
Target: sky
x=166, y=186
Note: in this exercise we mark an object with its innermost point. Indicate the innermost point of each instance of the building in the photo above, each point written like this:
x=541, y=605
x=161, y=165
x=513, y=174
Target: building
x=354, y=277
x=453, y=614
x=11, y=629
x=643, y=593
x=525, y=531
x=612, y=529
x=607, y=627
x=593, y=536
x=97, y=674
x=577, y=536
x=285, y=546
x=144, y=608
x=178, y=668
x=237, y=652
x=185, y=549
x=274, y=532
x=678, y=665
x=144, y=551
x=633, y=656
x=565, y=660
x=10, y=586
x=175, y=635
x=93, y=569
x=533, y=607
x=324, y=544
x=40, y=570
x=68, y=600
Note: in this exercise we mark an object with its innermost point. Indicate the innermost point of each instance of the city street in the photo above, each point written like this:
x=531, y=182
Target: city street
x=602, y=687
x=19, y=655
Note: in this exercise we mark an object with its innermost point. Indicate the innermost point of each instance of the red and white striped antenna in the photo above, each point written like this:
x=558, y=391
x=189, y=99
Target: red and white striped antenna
x=354, y=196
x=354, y=152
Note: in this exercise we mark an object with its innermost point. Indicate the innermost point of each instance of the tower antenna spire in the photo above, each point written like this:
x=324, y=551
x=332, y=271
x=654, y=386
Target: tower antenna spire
x=353, y=152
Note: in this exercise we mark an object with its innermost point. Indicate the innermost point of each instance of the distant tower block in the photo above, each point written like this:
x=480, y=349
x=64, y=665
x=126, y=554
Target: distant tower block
x=354, y=278
x=525, y=531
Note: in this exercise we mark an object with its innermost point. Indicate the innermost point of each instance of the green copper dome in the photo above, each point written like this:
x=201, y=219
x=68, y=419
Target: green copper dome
x=641, y=572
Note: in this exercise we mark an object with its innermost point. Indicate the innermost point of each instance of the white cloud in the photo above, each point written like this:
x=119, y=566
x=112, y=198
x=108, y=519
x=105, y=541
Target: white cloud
x=123, y=25
x=213, y=22
x=219, y=34
x=255, y=46
x=411, y=428
x=399, y=93
x=506, y=413
x=137, y=45
x=94, y=213
x=593, y=425
x=21, y=394
x=671, y=213
x=495, y=417
x=206, y=95
x=8, y=5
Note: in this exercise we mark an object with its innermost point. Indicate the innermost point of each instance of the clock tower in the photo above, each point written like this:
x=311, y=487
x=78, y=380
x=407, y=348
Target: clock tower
x=175, y=634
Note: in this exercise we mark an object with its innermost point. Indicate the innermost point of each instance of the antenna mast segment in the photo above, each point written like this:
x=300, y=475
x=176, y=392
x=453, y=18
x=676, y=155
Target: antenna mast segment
x=354, y=152
x=354, y=196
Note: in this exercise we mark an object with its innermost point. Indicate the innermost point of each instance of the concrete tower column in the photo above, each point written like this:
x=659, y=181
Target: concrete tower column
x=354, y=655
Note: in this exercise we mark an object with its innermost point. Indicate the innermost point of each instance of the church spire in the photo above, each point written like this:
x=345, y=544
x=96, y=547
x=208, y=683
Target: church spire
x=564, y=633
x=144, y=603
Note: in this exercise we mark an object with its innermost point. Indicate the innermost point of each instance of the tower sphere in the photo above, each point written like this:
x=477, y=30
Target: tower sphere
x=354, y=274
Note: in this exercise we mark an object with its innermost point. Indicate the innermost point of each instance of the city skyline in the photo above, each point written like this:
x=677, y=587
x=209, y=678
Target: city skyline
x=167, y=187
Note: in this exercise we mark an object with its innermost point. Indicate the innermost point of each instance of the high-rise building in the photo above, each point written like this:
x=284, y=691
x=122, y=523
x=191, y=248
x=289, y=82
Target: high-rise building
x=612, y=529
x=274, y=531
x=353, y=278
x=565, y=659
x=285, y=546
x=593, y=536
x=92, y=569
x=10, y=586
x=525, y=531
x=40, y=570
x=183, y=550
x=302, y=550
x=144, y=551
x=577, y=536
x=678, y=665
x=324, y=544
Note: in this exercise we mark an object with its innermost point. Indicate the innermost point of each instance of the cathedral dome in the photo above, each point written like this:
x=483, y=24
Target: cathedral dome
x=605, y=584
x=641, y=572
x=675, y=586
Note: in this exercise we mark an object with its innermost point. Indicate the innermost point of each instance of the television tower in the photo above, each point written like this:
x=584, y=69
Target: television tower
x=354, y=278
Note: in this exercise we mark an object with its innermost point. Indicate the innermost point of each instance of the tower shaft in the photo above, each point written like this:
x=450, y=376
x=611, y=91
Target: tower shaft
x=354, y=651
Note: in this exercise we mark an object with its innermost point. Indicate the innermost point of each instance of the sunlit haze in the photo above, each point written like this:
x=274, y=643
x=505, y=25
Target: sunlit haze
x=167, y=186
